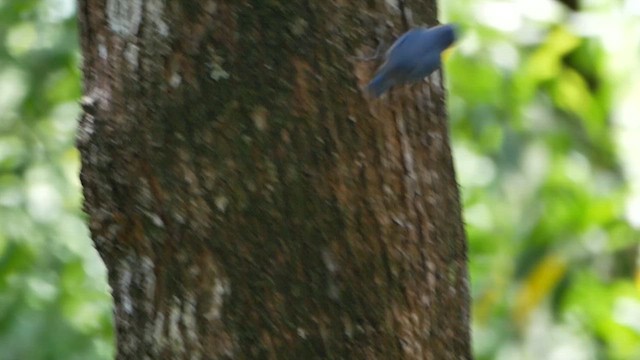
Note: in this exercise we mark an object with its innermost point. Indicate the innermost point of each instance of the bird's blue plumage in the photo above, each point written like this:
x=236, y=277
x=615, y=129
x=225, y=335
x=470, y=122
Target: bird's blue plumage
x=380, y=84
x=415, y=55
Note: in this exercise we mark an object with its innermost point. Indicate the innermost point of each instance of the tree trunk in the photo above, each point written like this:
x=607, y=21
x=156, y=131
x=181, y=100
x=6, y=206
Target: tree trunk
x=247, y=198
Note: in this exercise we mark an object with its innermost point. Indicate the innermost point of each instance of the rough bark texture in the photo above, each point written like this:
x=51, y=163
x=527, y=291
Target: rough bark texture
x=250, y=202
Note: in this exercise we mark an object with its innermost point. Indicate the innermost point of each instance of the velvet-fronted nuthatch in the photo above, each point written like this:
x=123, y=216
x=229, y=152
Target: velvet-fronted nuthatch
x=414, y=56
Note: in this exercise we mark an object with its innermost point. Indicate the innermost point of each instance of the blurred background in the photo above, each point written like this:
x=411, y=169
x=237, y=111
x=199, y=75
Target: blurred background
x=545, y=116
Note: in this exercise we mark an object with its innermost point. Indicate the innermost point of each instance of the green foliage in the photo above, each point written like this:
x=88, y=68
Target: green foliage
x=54, y=301
x=548, y=182
x=543, y=116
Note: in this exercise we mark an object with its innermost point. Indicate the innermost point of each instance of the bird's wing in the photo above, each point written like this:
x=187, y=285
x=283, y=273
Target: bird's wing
x=400, y=43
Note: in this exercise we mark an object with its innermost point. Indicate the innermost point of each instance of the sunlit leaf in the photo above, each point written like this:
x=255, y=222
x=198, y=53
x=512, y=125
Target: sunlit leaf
x=538, y=285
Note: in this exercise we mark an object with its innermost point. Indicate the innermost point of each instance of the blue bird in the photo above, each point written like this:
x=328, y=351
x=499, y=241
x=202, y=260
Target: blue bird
x=414, y=56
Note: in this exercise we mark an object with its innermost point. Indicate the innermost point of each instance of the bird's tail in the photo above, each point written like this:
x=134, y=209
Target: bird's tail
x=380, y=84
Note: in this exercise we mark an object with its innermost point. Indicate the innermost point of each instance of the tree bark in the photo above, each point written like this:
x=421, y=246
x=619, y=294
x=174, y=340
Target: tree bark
x=247, y=198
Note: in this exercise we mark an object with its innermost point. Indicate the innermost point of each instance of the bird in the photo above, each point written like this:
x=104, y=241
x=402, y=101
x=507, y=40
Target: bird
x=412, y=57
